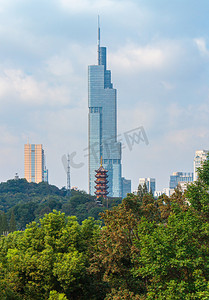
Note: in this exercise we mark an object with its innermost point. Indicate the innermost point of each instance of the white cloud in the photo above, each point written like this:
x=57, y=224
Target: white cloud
x=95, y=6
x=15, y=84
x=143, y=114
x=64, y=132
x=11, y=151
x=134, y=58
x=131, y=57
x=167, y=85
x=6, y=137
x=201, y=45
x=186, y=137
x=3, y=5
x=175, y=114
x=151, y=67
x=60, y=66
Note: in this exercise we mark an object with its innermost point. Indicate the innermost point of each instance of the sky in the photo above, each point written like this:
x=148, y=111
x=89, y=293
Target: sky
x=158, y=52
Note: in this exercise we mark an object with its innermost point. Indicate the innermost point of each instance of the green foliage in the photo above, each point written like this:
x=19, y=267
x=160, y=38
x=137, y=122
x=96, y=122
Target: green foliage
x=203, y=172
x=122, y=294
x=147, y=249
x=4, y=227
x=12, y=223
x=198, y=192
x=54, y=295
x=112, y=260
x=156, y=249
x=52, y=255
x=145, y=190
x=30, y=202
x=171, y=256
x=142, y=190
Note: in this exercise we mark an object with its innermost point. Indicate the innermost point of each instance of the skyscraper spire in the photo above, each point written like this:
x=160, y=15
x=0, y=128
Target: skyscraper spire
x=98, y=42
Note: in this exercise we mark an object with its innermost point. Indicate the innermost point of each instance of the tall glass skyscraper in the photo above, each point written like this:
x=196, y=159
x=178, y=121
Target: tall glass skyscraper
x=102, y=135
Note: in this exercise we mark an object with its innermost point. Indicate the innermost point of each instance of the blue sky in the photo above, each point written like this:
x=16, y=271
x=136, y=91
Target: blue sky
x=158, y=52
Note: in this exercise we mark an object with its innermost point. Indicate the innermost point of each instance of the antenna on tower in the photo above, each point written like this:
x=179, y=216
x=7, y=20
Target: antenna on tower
x=68, y=176
x=98, y=41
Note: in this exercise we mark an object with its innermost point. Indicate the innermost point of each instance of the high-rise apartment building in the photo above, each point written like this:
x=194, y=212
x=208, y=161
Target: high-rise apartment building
x=125, y=186
x=180, y=178
x=35, y=170
x=200, y=157
x=150, y=183
x=102, y=130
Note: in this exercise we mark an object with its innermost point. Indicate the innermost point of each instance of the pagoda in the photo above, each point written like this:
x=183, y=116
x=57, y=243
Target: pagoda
x=101, y=182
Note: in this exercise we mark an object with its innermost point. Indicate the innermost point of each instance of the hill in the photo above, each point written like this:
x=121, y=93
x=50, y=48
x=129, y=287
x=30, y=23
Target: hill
x=26, y=202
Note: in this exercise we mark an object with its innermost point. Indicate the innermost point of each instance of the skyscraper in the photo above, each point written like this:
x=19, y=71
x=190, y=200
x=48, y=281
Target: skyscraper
x=35, y=170
x=102, y=130
x=125, y=186
x=178, y=178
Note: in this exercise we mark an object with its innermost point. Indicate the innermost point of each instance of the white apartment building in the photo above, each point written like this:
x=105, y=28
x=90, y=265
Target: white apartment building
x=200, y=157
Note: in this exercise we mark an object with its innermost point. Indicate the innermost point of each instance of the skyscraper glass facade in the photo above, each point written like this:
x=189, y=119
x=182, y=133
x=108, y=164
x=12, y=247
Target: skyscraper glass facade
x=179, y=177
x=102, y=135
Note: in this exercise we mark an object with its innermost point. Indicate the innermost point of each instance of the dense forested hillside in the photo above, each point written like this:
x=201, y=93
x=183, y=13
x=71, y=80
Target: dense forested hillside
x=25, y=202
x=145, y=248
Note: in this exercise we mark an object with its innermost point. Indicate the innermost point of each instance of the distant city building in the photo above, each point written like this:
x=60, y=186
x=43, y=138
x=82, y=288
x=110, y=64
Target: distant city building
x=102, y=125
x=178, y=178
x=150, y=183
x=126, y=187
x=200, y=157
x=168, y=192
x=183, y=185
x=35, y=170
x=158, y=194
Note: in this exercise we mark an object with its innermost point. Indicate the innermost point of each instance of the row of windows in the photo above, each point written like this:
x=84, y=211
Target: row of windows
x=112, y=161
x=95, y=109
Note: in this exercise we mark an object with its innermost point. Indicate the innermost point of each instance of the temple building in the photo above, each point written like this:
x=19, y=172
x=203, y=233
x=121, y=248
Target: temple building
x=101, y=182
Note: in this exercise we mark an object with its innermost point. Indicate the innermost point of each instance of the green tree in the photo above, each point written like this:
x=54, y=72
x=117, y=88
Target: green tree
x=112, y=260
x=140, y=191
x=174, y=259
x=197, y=193
x=145, y=190
x=122, y=294
x=1, y=227
x=54, y=295
x=52, y=255
x=4, y=222
x=12, y=223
